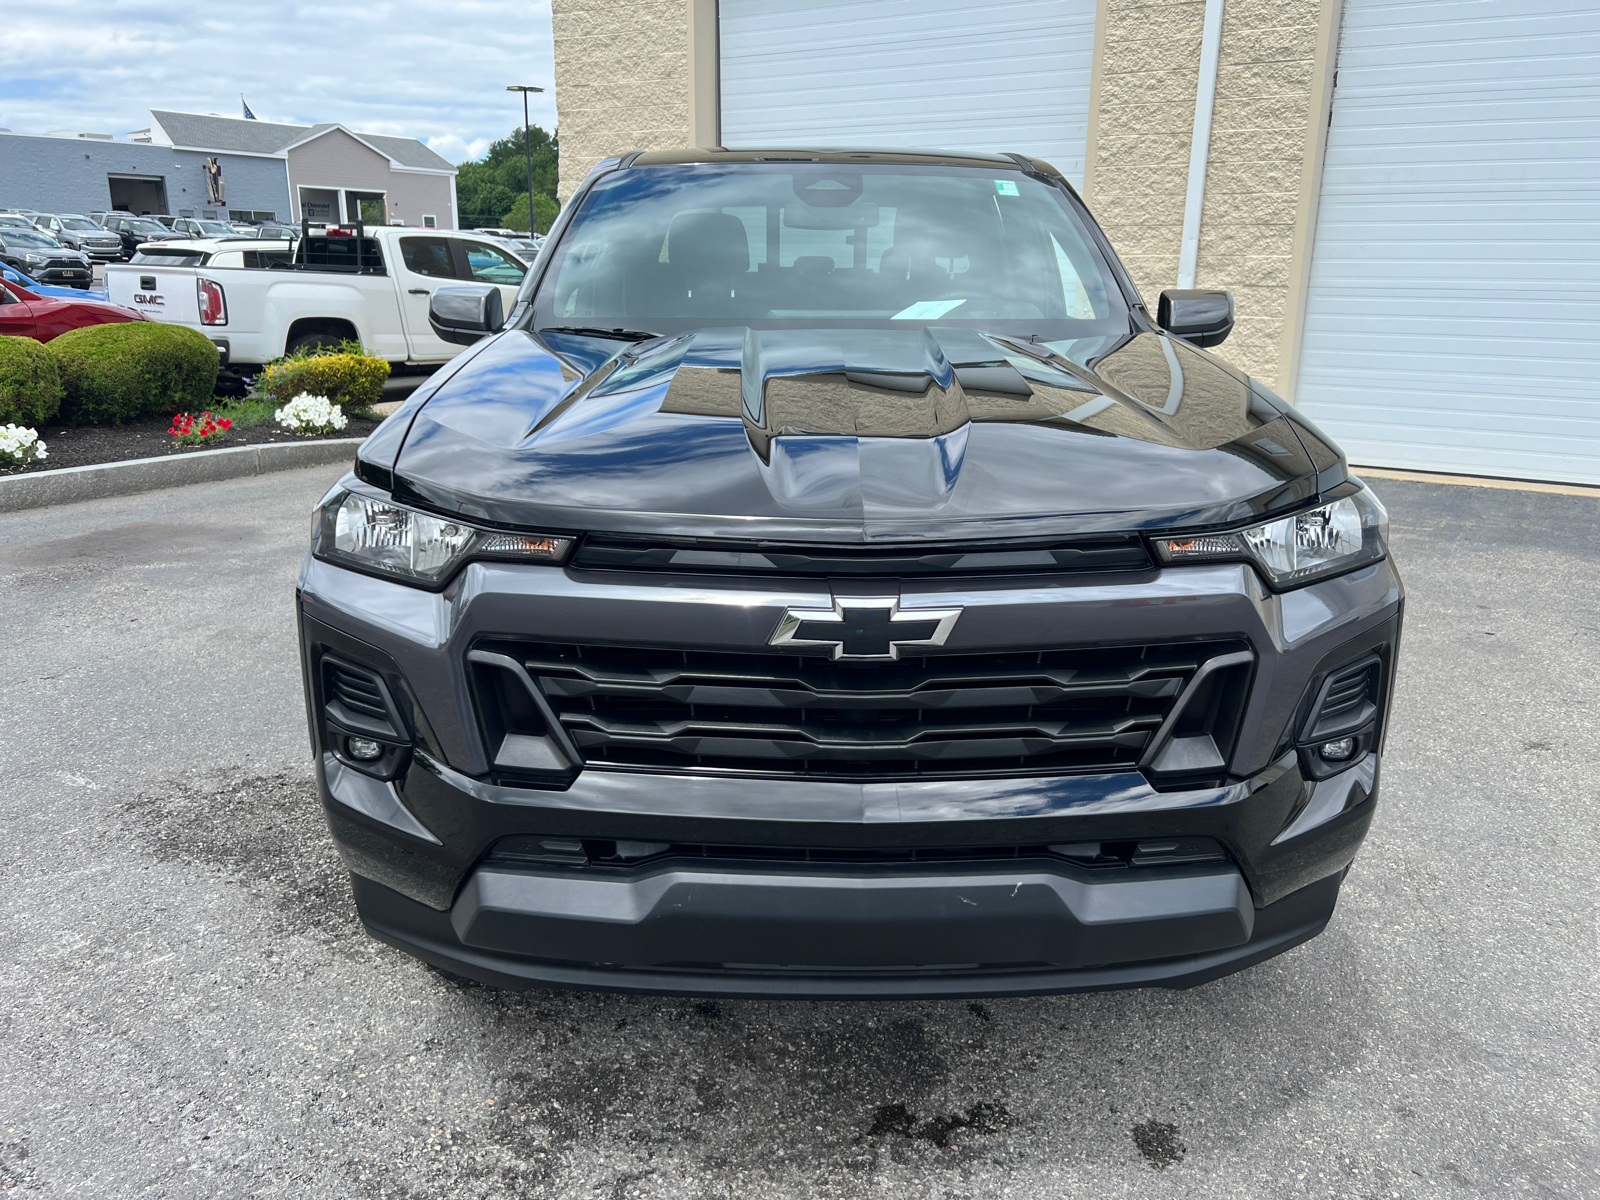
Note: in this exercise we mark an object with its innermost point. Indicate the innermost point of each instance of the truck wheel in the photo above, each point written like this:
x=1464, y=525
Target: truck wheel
x=313, y=341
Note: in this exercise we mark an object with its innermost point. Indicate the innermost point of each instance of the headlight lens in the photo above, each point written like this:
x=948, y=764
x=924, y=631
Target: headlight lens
x=1295, y=550
x=34, y=256
x=418, y=547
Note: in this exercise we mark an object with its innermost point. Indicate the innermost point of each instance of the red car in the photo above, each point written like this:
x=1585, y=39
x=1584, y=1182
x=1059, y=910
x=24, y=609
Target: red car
x=28, y=314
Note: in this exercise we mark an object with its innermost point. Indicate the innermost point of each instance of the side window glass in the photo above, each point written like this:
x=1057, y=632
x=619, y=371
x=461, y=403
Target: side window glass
x=427, y=256
x=485, y=264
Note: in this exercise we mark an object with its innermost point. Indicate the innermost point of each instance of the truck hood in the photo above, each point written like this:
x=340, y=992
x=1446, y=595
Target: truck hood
x=847, y=436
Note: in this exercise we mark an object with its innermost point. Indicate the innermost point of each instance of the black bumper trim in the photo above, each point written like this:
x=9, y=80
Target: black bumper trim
x=430, y=936
x=807, y=919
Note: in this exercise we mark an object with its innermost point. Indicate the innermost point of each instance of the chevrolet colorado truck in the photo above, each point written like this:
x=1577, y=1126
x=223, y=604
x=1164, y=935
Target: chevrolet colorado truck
x=832, y=579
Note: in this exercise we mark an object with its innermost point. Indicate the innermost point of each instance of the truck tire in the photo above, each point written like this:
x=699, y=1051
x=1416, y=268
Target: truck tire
x=312, y=341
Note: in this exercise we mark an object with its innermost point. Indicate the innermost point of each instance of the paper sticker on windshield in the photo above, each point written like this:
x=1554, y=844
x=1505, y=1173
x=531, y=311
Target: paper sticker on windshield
x=927, y=310
x=1006, y=187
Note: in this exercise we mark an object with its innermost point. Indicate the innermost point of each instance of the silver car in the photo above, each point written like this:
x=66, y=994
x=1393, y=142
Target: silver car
x=78, y=232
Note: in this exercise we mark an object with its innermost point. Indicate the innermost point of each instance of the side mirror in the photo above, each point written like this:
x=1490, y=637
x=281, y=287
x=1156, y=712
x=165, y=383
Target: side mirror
x=1203, y=318
x=466, y=314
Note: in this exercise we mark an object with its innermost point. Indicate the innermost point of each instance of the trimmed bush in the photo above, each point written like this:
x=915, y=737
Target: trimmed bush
x=30, y=385
x=118, y=372
x=349, y=380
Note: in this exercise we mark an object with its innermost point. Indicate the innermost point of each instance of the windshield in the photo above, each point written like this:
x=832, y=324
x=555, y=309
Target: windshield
x=148, y=227
x=29, y=237
x=665, y=249
x=217, y=229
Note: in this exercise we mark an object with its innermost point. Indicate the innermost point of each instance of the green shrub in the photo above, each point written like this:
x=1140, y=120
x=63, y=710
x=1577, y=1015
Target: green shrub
x=350, y=380
x=118, y=372
x=30, y=385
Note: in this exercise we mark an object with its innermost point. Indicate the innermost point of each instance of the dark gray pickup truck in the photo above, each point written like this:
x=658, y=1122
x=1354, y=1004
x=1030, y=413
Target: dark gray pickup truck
x=831, y=580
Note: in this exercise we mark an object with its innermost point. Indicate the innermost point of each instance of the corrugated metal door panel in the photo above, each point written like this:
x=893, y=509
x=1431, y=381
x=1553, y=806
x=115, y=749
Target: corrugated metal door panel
x=1011, y=75
x=1453, y=320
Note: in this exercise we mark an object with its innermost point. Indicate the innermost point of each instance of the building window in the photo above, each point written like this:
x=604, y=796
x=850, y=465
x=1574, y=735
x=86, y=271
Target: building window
x=429, y=222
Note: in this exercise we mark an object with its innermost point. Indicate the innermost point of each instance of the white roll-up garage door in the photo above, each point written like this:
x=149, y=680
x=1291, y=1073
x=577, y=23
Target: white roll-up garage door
x=1453, y=320
x=953, y=74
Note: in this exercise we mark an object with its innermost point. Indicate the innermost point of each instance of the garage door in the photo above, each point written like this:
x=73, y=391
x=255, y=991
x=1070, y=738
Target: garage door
x=1453, y=320
x=946, y=73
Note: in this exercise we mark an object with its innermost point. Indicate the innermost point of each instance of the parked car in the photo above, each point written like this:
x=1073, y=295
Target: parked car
x=524, y=248
x=26, y=313
x=47, y=260
x=11, y=275
x=101, y=216
x=80, y=233
x=193, y=227
x=835, y=581
x=14, y=221
x=135, y=231
x=335, y=285
x=499, y=233
x=284, y=233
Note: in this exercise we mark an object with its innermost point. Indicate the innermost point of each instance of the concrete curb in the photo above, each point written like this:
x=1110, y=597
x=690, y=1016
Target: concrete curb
x=69, y=484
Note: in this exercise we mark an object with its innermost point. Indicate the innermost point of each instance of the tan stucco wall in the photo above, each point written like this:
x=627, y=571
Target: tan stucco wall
x=1143, y=127
x=1144, y=124
x=622, y=80
x=1258, y=146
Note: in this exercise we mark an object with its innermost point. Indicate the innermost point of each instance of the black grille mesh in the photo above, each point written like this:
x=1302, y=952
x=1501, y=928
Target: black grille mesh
x=936, y=716
x=356, y=691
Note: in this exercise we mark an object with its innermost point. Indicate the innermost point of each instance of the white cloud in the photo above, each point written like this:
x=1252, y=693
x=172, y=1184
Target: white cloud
x=455, y=148
x=403, y=68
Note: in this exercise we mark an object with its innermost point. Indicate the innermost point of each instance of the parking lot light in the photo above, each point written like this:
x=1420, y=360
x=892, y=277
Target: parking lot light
x=527, y=142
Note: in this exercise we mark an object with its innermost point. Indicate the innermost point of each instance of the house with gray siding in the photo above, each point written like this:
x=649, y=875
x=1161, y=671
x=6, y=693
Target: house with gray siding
x=333, y=173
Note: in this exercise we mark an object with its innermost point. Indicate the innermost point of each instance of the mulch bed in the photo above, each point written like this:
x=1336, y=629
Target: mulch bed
x=84, y=445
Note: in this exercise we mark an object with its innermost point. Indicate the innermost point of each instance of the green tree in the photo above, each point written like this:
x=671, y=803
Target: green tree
x=545, y=211
x=490, y=187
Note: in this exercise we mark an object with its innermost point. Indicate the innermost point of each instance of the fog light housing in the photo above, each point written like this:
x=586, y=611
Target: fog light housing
x=1338, y=750
x=367, y=750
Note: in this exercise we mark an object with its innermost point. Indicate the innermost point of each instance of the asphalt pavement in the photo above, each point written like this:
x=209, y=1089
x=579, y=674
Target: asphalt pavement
x=189, y=1008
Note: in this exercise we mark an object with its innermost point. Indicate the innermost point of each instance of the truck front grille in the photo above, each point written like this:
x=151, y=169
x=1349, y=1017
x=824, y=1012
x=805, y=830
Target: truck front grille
x=936, y=716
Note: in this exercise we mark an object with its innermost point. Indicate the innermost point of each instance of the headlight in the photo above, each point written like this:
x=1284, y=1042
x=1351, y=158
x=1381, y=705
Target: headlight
x=34, y=256
x=417, y=547
x=1295, y=550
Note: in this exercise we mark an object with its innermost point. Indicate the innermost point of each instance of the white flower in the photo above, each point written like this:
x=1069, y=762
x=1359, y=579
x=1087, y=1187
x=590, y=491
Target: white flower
x=19, y=445
x=311, y=414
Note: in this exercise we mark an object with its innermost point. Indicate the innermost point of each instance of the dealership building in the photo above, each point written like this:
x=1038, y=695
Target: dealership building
x=234, y=169
x=1402, y=195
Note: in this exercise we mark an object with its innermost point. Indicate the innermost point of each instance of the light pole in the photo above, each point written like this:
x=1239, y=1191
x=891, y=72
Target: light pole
x=527, y=143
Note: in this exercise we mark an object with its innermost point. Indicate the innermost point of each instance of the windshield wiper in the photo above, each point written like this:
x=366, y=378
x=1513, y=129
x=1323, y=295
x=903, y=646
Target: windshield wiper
x=625, y=335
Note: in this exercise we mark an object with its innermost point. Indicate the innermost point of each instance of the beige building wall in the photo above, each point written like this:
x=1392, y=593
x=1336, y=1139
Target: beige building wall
x=622, y=80
x=1141, y=128
x=1258, y=145
x=1270, y=103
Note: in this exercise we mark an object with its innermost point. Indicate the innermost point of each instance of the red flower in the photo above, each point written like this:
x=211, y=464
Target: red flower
x=227, y=423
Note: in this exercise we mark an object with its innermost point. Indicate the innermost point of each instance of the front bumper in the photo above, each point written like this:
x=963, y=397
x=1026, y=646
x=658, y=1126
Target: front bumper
x=1006, y=920
x=79, y=277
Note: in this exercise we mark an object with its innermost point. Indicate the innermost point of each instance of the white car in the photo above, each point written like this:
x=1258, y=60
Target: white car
x=258, y=300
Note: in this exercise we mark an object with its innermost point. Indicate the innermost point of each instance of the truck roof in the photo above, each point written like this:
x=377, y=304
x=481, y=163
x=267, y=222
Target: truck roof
x=835, y=154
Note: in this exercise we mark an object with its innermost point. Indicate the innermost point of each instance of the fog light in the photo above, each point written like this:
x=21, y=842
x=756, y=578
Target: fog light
x=1337, y=750
x=365, y=749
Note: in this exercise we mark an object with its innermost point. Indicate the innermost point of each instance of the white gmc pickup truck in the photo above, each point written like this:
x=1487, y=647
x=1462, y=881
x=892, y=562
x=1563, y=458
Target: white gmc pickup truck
x=257, y=301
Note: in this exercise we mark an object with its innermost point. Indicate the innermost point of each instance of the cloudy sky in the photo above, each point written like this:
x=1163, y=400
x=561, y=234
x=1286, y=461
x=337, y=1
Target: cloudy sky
x=433, y=71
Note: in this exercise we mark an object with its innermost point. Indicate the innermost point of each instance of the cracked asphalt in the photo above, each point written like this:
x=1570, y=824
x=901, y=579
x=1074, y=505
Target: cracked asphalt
x=188, y=1007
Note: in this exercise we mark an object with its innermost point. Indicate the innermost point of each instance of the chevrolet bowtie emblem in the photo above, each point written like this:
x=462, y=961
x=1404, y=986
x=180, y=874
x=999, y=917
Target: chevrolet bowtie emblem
x=858, y=627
